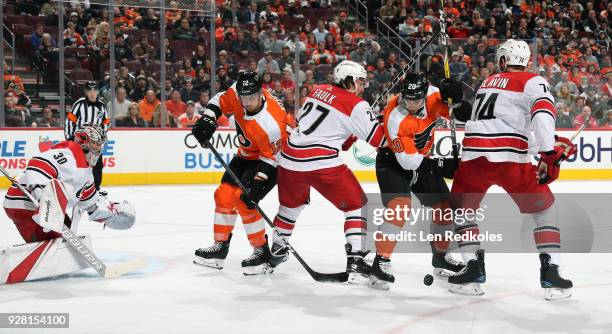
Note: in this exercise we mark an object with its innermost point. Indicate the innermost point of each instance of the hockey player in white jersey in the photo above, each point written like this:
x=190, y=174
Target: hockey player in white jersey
x=513, y=115
x=68, y=165
x=329, y=118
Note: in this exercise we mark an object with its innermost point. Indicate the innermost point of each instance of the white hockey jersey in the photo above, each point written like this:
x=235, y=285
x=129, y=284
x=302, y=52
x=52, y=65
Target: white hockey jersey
x=329, y=116
x=66, y=162
x=513, y=116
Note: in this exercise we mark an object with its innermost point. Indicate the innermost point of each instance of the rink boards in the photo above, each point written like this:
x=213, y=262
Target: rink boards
x=173, y=156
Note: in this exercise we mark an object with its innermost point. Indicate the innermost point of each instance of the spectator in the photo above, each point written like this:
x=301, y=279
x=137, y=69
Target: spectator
x=90, y=35
x=170, y=54
x=267, y=82
x=203, y=99
x=150, y=21
x=175, y=106
x=582, y=118
x=458, y=68
x=320, y=32
x=140, y=90
x=485, y=13
x=121, y=104
x=36, y=37
x=123, y=53
x=185, y=32
x=309, y=81
x=564, y=95
x=241, y=45
x=278, y=90
x=254, y=41
x=223, y=79
x=202, y=81
x=340, y=54
x=148, y=105
x=570, y=85
x=287, y=82
x=285, y=59
x=11, y=78
x=321, y=56
x=125, y=79
x=564, y=120
x=381, y=74
x=133, y=119
x=198, y=60
x=304, y=92
x=360, y=55
x=157, y=117
x=188, y=119
x=101, y=43
x=267, y=63
x=14, y=116
x=388, y=11
x=223, y=61
x=606, y=123
x=72, y=38
x=273, y=44
x=251, y=14
x=167, y=89
x=188, y=93
x=47, y=120
x=143, y=51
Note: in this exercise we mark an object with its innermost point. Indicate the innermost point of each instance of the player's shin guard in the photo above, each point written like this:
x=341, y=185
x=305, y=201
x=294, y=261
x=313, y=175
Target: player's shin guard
x=547, y=238
x=355, y=232
x=284, y=223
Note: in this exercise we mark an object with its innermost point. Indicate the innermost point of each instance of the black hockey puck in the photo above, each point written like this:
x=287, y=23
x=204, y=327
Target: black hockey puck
x=428, y=280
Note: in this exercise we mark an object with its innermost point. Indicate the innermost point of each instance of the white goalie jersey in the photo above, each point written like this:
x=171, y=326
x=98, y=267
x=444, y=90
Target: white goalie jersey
x=66, y=162
x=513, y=116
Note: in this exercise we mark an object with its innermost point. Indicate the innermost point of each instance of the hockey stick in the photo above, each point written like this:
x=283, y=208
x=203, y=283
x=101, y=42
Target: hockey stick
x=409, y=64
x=444, y=42
x=80, y=248
x=317, y=276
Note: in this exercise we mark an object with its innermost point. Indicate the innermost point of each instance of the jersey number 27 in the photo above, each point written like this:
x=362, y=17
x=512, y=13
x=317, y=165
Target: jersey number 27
x=306, y=109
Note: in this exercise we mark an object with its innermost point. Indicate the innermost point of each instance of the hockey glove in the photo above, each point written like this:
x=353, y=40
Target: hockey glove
x=444, y=167
x=255, y=190
x=204, y=128
x=450, y=88
x=550, y=162
x=115, y=215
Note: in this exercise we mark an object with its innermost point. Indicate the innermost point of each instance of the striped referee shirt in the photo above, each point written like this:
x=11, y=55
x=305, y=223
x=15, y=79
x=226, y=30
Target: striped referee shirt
x=85, y=112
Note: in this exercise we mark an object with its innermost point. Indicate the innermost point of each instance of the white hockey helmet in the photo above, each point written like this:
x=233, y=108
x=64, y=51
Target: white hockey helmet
x=514, y=52
x=348, y=69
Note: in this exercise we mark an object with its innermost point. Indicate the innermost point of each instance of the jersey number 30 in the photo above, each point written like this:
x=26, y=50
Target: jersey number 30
x=307, y=108
x=485, y=110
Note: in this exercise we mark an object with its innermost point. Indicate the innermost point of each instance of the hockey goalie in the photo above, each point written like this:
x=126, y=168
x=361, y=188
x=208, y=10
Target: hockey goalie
x=61, y=180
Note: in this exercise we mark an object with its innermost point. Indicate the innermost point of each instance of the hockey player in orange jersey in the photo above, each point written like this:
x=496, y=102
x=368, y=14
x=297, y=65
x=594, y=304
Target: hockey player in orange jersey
x=261, y=126
x=404, y=166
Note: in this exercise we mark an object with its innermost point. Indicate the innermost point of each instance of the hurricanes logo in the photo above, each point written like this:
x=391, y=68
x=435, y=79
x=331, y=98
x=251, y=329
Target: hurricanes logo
x=364, y=153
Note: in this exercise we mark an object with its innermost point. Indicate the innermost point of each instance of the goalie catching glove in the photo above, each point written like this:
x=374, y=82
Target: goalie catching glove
x=550, y=162
x=115, y=215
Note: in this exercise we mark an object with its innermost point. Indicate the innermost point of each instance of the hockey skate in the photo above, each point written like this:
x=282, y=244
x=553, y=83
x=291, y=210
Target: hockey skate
x=257, y=263
x=279, y=254
x=213, y=256
x=357, y=269
x=381, y=277
x=444, y=265
x=555, y=287
x=468, y=281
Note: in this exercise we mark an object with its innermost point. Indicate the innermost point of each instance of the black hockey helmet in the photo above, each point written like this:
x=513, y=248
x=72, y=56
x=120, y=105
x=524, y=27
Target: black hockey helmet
x=248, y=83
x=414, y=86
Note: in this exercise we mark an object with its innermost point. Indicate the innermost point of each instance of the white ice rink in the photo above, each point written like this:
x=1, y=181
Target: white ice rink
x=172, y=295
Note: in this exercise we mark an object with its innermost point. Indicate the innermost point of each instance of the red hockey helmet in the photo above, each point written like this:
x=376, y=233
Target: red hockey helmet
x=91, y=138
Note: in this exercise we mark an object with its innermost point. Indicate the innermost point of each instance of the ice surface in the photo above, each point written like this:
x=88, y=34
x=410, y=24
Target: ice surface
x=172, y=295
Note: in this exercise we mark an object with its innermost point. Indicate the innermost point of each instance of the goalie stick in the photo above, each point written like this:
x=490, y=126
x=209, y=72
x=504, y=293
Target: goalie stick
x=317, y=276
x=80, y=248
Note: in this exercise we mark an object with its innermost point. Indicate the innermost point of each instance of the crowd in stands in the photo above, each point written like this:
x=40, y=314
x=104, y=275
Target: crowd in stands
x=571, y=42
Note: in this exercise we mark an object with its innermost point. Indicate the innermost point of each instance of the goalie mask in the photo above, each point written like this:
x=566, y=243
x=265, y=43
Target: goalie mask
x=91, y=138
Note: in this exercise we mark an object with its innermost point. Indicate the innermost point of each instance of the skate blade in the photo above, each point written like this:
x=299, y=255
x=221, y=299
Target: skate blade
x=378, y=284
x=469, y=289
x=439, y=272
x=557, y=293
x=210, y=263
x=255, y=270
x=358, y=279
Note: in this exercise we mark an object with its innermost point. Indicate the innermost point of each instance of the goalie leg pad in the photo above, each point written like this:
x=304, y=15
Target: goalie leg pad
x=30, y=231
x=52, y=206
x=37, y=260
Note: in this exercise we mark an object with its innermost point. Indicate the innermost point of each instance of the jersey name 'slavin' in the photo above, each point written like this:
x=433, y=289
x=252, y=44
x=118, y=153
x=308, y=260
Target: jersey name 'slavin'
x=323, y=95
x=494, y=82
